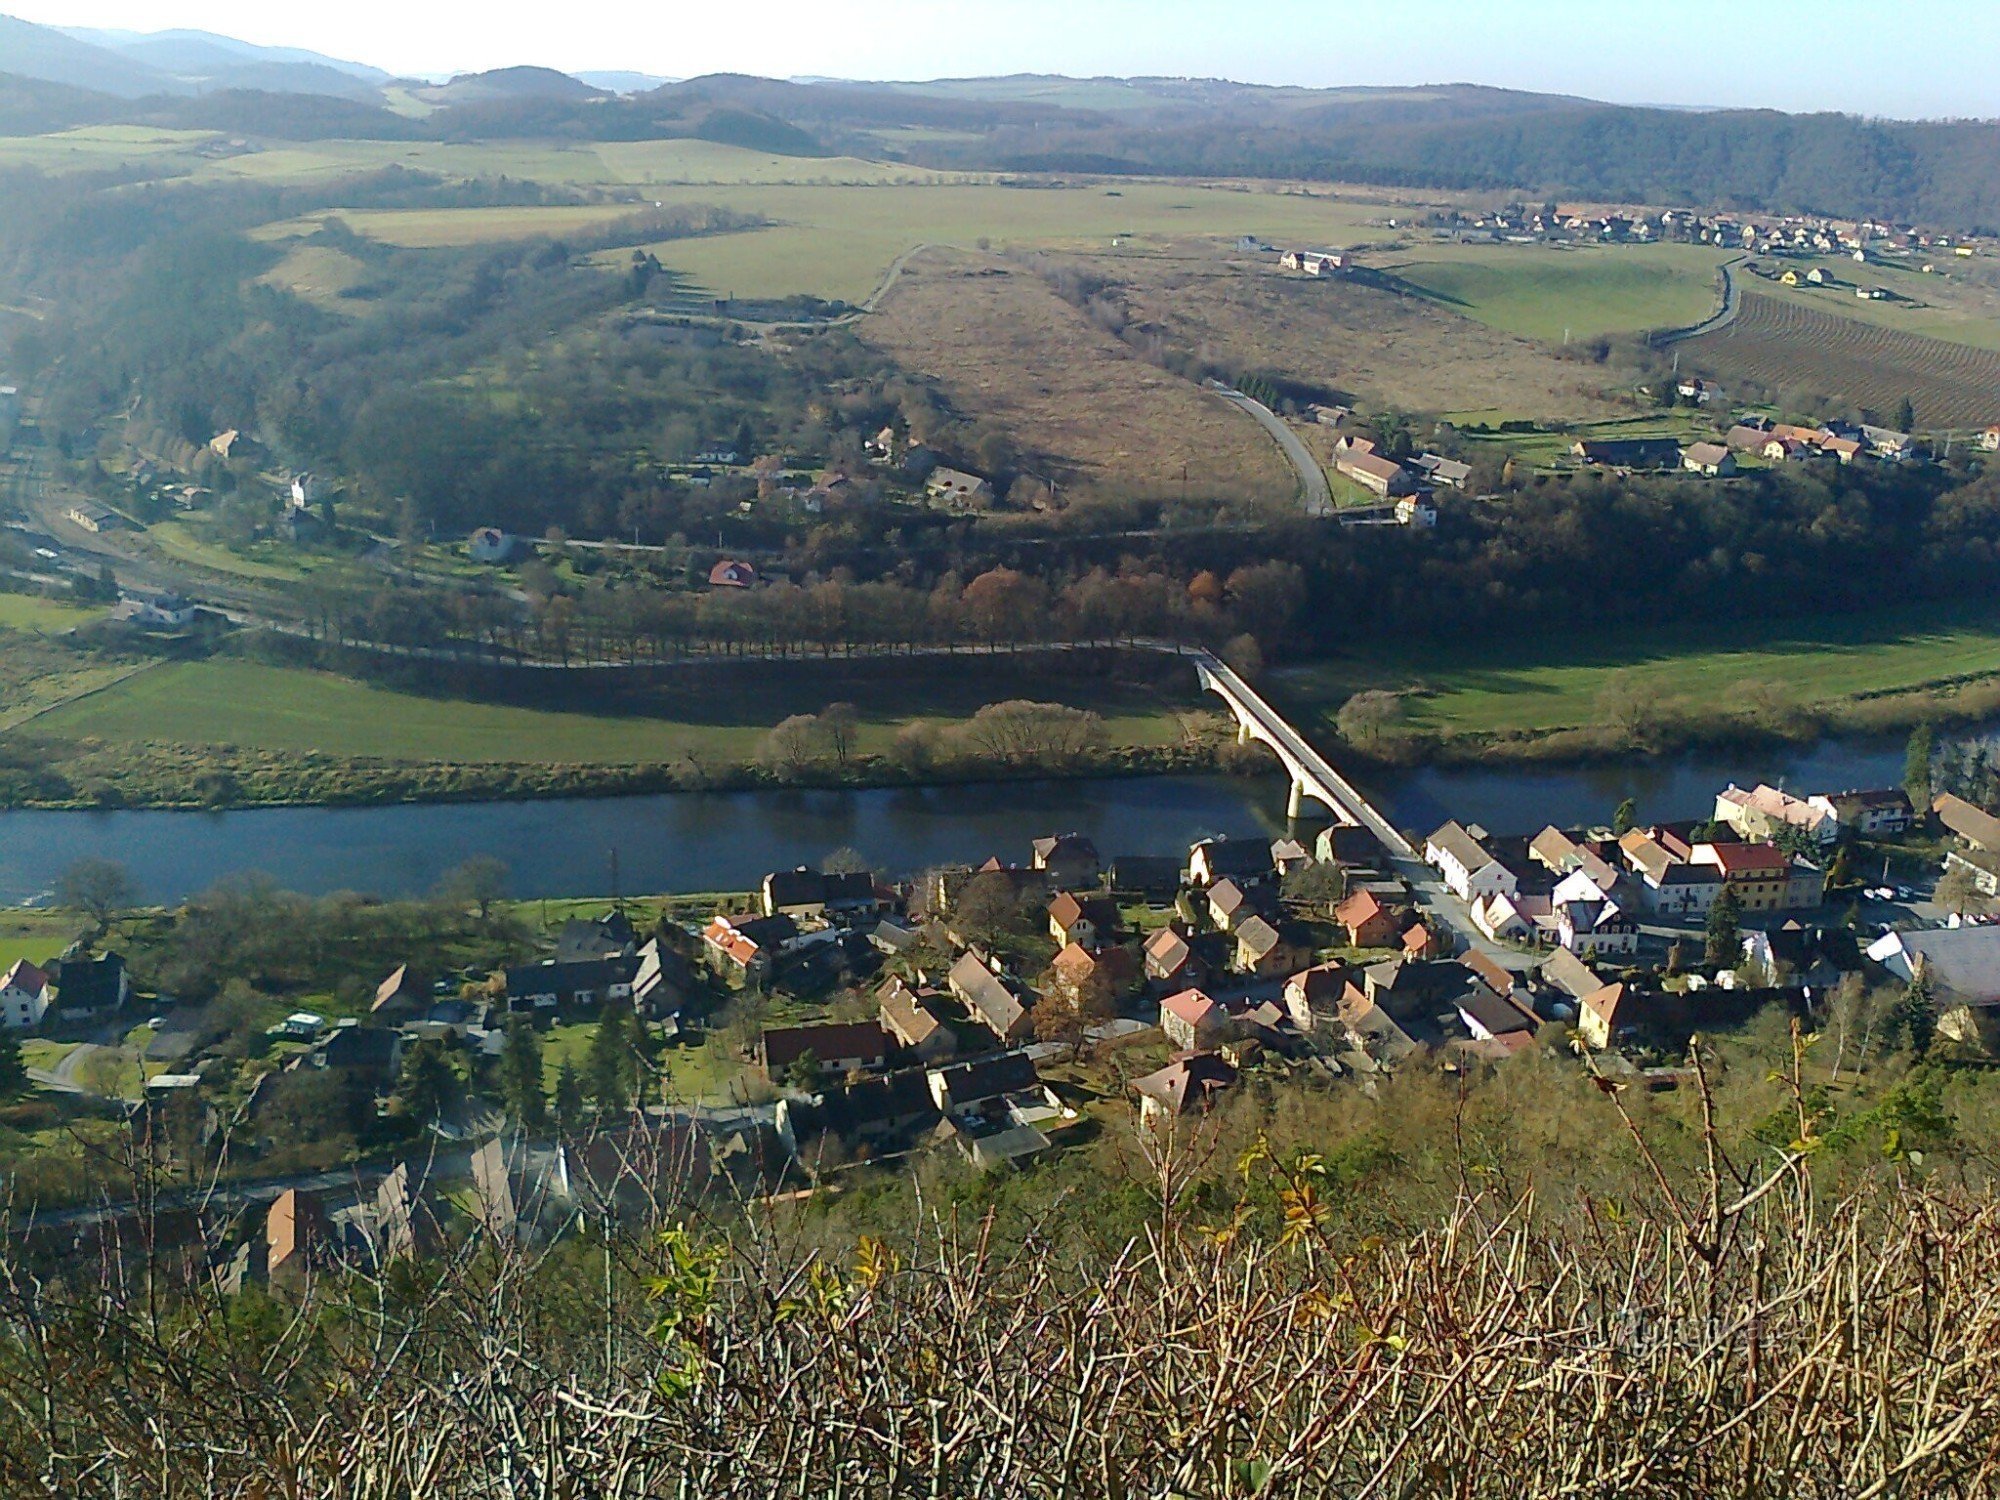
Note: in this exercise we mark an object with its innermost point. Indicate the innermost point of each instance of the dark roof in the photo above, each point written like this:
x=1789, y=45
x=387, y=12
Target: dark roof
x=1187, y=1083
x=806, y=886
x=581, y=939
x=988, y=1077
x=781, y=1046
x=366, y=1049
x=567, y=978
x=1232, y=857
x=1633, y=452
x=1494, y=1013
x=1145, y=873
x=88, y=983
x=891, y=1100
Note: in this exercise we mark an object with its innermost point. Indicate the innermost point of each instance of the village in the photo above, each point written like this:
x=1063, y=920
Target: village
x=835, y=1020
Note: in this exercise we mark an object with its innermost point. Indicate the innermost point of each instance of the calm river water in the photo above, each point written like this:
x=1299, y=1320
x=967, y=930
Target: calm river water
x=728, y=840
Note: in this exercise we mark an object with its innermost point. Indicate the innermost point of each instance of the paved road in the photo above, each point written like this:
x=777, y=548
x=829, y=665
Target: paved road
x=1312, y=478
x=1732, y=304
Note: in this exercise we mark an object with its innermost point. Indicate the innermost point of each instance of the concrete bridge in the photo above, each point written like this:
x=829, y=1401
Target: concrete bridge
x=1310, y=772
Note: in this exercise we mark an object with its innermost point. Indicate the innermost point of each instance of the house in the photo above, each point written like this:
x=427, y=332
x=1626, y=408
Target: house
x=1603, y=1013
x=1419, y=942
x=1820, y=276
x=1886, y=442
x=1958, y=964
x=399, y=997
x=836, y=1048
x=1415, y=510
x=1371, y=471
x=1760, y=812
x=1467, y=865
x=1189, y=1085
x=967, y=1085
x=1488, y=1014
x=1798, y=957
x=1369, y=923
x=1700, y=392
x=991, y=1000
x=161, y=611
x=1847, y=450
x=1508, y=917
x=1269, y=949
x=553, y=985
x=958, y=490
x=1592, y=928
x=1749, y=436
x=1448, y=472
x=1372, y=1032
x=299, y=1240
x=1967, y=823
x=1089, y=922
x=1764, y=878
x=1782, y=450
x=491, y=545
x=1869, y=813
x=881, y=448
x=806, y=892
x=1192, y=1021
x=1155, y=878
x=1312, y=996
x=368, y=1055
x=87, y=986
x=91, y=516
x=1229, y=904
x=1244, y=861
x=1989, y=440
x=583, y=938
x=1069, y=859
x=732, y=573
x=744, y=950
x=911, y=1017
x=885, y=1112
x=663, y=983
x=1569, y=975
x=24, y=996
x=1076, y=969
x=1169, y=958
x=1712, y=459
x=1628, y=453
x=1287, y=855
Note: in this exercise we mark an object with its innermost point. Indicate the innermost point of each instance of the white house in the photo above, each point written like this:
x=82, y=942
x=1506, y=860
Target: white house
x=24, y=996
x=1591, y=928
x=489, y=544
x=1467, y=865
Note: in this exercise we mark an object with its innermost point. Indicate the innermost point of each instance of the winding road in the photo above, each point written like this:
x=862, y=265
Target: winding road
x=1312, y=478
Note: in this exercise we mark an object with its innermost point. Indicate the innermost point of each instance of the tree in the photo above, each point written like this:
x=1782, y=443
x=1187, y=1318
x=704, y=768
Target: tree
x=803, y=1074
x=13, y=1069
x=1916, y=1015
x=839, y=724
x=569, y=1098
x=427, y=1081
x=1906, y=415
x=1626, y=818
x=97, y=886
x=845, y=861
x=521, y=1075
x=1917, y=767
x=1725, y=930
x=609, y=1064
x=1244, y=655
x=1366, y=719
x=794, y=745
x=479, y=882
x=1957, y=890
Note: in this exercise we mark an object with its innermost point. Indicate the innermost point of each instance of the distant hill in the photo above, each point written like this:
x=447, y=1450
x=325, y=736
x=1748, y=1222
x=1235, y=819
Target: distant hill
x=513, y=83
x=204, y=52
x=34, y=106
x=43, y=53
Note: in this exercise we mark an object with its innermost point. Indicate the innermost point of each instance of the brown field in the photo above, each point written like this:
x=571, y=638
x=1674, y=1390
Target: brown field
x=1376, y=346
x=1814, y=358
x=1006, y=350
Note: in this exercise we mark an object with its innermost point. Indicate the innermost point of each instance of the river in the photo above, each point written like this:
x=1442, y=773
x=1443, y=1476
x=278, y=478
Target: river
x=704, y=841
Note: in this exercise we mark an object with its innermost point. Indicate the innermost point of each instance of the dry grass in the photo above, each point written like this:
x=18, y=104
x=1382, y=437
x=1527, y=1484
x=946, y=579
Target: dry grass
x=1006, y=350
x=1385, y=349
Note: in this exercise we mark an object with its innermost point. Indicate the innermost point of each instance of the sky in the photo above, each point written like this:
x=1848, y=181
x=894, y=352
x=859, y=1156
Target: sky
x=1902, y=60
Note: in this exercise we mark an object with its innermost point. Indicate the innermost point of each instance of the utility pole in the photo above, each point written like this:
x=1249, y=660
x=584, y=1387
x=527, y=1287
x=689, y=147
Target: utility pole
x=617, y=896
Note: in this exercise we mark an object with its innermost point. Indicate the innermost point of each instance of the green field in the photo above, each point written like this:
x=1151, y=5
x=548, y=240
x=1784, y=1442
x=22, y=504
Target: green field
x=1509, y=686
x=284, y=709
x=37, y=936
x=837, y=241
x=1546, y=449
x=28, y=612
x=179, y=542
x=1548, y=292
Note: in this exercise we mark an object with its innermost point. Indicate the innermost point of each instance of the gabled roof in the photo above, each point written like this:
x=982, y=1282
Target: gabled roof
x=25, y=977
x=985, y=994
x=1605, y=1002
x=981, y=1078
x=1188, y=1083
x=1976, y=826
x=1191, y=1006
x=784, y=1045
x=1748, y=859
x=1570, y=974
x=1488, y=971
x=396, y=987
x=1455, y=840
x=1359, y=909
x=1495, y=1014
x=905, y=1015
x=1167, y=947
x=1234, y=857
x=295, y=1228
x=1322, y=985
x=1258, y=937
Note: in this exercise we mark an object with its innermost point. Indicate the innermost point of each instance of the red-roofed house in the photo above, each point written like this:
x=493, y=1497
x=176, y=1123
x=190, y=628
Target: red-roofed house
x=24, y=996
x=1192, y=1021
x=1369, y=923
x=732, y=574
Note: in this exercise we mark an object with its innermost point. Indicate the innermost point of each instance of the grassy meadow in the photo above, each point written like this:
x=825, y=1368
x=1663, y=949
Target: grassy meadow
x=1514, y=686
x=715, y=715
x=1545, y=291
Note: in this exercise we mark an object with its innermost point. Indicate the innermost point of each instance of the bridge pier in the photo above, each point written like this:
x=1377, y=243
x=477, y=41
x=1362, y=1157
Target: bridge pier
x=1295, y=803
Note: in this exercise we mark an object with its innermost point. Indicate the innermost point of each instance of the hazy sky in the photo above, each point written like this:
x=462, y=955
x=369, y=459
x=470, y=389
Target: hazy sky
x=1901, y=59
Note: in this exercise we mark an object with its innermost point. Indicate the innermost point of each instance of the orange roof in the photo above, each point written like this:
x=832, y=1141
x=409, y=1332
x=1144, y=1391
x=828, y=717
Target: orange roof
x=25, y=976
x=1192, y=1006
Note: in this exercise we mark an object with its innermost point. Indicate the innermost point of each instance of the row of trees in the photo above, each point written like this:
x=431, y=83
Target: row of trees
x=1017, y=732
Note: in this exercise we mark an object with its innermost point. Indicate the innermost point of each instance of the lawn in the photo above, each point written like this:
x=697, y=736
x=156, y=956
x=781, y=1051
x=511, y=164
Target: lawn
x=1549, y=292
x=37, y=936
x=1487, y=686
x=28, y=612
x=719, y=715
x=180, y=542
x=1546, y=448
